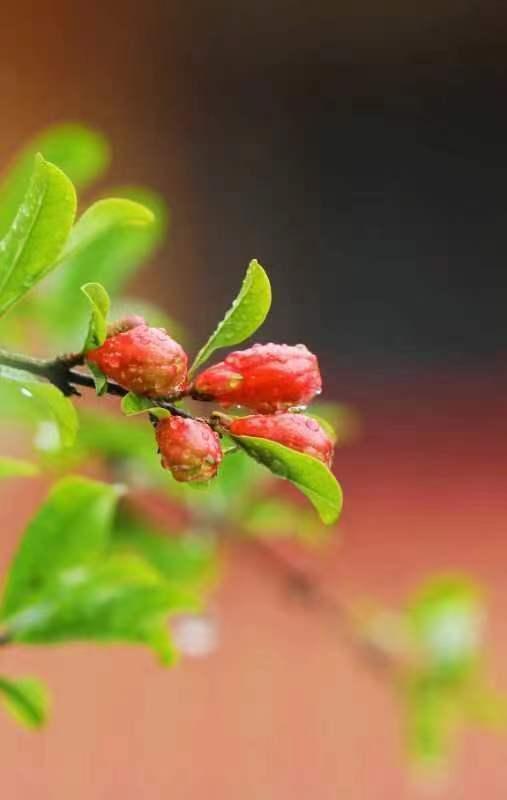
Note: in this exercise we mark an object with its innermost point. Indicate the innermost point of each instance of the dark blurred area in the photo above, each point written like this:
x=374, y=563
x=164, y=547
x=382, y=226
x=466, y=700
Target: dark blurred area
x=357, y=149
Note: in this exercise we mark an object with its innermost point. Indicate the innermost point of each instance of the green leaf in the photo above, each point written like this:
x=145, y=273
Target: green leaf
x=246, y=315
x=274, y=518
x=82, y=154
x=100, y=305
x=97, y=329
x=48, y=400
x=186, y=560
x=65, y=585
x=446, y=615
x=107, y=243
x=432, y=716
x=14, y=467
x=310, y=476
x=26, y=699
x=31, y=246
x=72, y=526
x=118, y=600
x=94, y=229
x=133, y=404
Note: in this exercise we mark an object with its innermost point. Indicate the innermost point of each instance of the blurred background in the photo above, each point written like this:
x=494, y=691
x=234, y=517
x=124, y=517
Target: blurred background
x=358, y=151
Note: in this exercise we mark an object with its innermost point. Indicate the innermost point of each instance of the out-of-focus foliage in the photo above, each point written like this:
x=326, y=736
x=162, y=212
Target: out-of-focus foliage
x=15, y=467
x=66, y=582
x=435, y=646
x=22, y=393
x=26, y=699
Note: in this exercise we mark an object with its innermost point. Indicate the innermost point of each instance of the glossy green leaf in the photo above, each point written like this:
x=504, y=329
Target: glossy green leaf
x=122, y=599
x=246, y=315
x=310, y=476
x=97, y=329
x=100, y=305
x=133, y=404
x=71, y=527
x=47, y=399
x=26, y=699
x=82, y=154
x=31, y=246
x=14, y=467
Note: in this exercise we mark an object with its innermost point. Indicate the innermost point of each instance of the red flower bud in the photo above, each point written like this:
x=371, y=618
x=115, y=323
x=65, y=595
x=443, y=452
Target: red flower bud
x=296, y=431
x=190, y=449
x=143, y=360
x=267, y=377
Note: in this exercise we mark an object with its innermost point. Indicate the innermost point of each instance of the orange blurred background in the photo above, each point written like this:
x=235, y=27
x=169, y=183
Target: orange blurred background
x=358, y=151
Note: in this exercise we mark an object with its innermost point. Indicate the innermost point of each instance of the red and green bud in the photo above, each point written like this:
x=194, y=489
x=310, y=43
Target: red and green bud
x=143, y=360
x=189, y=448
x=296, y=431
x=267, y=378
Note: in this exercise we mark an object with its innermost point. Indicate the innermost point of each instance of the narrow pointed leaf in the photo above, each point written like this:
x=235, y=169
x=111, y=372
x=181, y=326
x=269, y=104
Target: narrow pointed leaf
x=31, y=246
x=100, y=305
x=309, y=474
x=26, y=699
x=246, y=315
x=97, y=329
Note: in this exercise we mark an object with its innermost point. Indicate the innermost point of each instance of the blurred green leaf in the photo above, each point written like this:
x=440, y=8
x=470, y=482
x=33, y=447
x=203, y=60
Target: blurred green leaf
x=82, y=154
x=14, y=467
x=119, y=600
x=447, y=616
x=273, y=518
x=64, y=583
x=48, y=401
x=26, y=699
x=187, y=560
x=31, y=246
x=246, y=315
x=310, y=476
x=432, y=716
x=72, y=526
